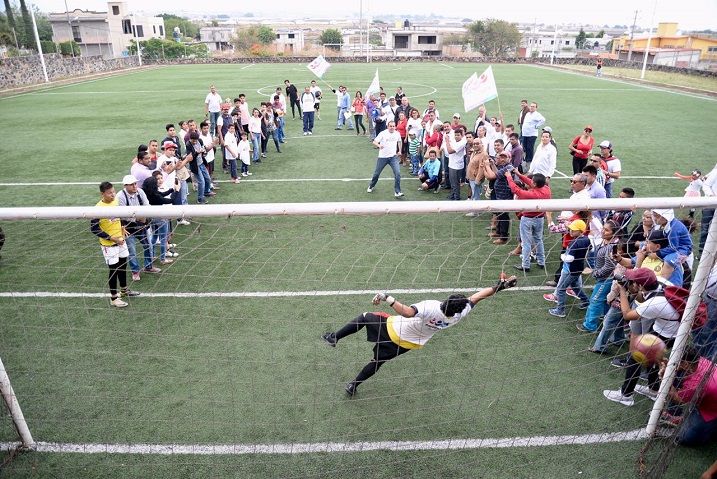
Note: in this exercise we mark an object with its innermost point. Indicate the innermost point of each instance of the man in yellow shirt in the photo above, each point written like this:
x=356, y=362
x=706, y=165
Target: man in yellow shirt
x=112, y=235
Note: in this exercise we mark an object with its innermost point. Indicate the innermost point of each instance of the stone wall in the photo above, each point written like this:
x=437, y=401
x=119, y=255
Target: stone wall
x=24, y=71
x=635, y=66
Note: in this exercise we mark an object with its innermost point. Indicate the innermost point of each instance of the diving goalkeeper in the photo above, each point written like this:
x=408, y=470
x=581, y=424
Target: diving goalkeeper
x=410, y=328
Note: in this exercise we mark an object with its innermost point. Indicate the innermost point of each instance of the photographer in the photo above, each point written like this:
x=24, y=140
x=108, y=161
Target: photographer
x=157, y=195
x=198, y=165
x=137, y=228
x=653, y=314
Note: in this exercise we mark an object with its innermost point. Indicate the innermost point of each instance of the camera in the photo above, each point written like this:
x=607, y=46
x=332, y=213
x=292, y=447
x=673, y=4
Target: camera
x=621, y=279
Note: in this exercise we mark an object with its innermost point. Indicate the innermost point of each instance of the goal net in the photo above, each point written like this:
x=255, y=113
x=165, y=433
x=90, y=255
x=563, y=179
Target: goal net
x=219, y=366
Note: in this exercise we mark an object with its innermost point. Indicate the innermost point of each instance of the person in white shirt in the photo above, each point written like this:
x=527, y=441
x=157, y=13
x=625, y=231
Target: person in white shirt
x=317, y=95
x=532, y=121
x=231, y=150
x=307, y=101
x=456, y=148
x=209, y=145
x=709, y=188
x=411, y=327
x=388, y=143
x=545, y=158
x=212, y=107
x=244, y=154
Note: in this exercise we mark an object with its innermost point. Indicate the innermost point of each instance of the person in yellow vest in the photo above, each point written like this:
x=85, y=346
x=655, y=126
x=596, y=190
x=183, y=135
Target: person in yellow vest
x=410, y=328
x=112, y=234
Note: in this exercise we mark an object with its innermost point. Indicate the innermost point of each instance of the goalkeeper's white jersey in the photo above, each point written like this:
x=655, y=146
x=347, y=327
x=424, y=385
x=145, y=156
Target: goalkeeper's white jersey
x=413, y=333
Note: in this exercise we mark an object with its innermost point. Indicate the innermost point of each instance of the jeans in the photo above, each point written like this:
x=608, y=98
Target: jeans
x=342, y=119
x=707, y=215
x=476, y=188
x=204, y=182
x=213, y=117
x=144, y=238
x=359, y=122
x=696, y=431
x=608, y=190
x=415, y=162
x=275, y=137
x=256, y=145
x=529, y=147
x=161, y=229
x=612, y=331
x=380, y=165
x=531, y=234
x=566, y=281
x=280, y=129
x=454, y=178
x=233, y=168
x=183, y=192
x=705, y=338
x=598, y=304
x=308, y=118
x=446, y=175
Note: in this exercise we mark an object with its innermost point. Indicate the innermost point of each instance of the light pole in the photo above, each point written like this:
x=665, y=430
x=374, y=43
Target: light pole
x=67, y=14
x=136, y=39
x=555, y=40
x=649, y=39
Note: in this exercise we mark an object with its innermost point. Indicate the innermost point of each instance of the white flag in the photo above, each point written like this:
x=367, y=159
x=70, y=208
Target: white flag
x=375, y=87
x=318, y=66
x=479, y=89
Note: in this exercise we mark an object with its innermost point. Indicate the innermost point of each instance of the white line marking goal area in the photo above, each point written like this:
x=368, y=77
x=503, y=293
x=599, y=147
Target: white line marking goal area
x=332, y=447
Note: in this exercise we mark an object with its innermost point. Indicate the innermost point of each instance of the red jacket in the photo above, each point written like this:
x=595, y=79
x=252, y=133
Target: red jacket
x=542, y=193
x=435, y=139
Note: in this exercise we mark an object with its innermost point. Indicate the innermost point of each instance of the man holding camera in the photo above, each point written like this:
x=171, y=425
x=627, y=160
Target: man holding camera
x=653, y=314
x=198, y=165
x=132, y=195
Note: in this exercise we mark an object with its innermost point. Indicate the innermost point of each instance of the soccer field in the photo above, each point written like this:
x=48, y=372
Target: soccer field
x=221, y=357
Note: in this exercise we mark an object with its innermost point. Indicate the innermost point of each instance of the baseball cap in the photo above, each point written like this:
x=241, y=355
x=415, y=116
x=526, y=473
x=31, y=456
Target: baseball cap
x=588, y=127
x=457, y=115
x=169, y=145
x=548, y=129
x=413, y=131
x=605, y=144
x=577, y=225
x=642, y=276
x=129, y=180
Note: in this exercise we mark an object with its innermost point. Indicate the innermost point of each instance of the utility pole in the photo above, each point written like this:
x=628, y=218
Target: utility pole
x=632, y=34
x=69, y=24
x=647, y=48
x=359, y=27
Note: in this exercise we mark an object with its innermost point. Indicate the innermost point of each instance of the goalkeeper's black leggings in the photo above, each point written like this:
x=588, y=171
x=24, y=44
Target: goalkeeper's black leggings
x=384, y=348
x=118, y=272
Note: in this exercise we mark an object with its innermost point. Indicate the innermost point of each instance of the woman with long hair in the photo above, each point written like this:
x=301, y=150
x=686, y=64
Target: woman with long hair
x=359, y=109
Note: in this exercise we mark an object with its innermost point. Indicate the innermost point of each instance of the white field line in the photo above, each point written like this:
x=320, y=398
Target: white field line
x=334, y=447
x=247, y=66
x=295, y=180
x=562, y=175
x=647, y=87
x=262, y=294
x=447, y=66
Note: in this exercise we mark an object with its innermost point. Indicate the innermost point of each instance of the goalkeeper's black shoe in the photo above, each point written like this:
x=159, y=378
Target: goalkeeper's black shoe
x=505, y=284
x=330, y=338
x=351, y=388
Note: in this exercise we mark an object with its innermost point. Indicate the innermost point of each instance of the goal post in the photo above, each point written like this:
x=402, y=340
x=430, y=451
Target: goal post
x=222, y=355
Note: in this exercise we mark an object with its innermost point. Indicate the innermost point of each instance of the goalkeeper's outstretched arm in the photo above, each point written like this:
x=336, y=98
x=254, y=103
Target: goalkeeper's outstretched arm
x=503, y=283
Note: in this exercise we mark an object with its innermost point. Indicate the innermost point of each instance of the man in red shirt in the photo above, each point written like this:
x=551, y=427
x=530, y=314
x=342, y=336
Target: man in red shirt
x=531, y=222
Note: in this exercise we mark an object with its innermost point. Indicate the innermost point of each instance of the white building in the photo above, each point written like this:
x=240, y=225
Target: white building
x=537, y=43
x=217, y=38
x=289, y=41
x=104, y=33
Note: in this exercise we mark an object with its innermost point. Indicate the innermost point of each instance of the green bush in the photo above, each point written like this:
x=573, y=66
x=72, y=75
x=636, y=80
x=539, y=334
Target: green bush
x=48, y=46
x=66, y=48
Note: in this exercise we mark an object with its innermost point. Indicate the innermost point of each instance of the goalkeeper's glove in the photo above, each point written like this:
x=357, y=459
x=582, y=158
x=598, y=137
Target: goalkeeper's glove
x=383, y=297
x=505, y=283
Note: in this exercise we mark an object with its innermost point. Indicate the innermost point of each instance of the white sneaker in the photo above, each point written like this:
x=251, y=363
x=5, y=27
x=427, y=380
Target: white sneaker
x=183, y=222
x=310, y=133
x=249, y=174
x=172, y=254
x=617, y=396
x=369, y=190
x=398, y=195
x=646, y=391
x=118, y=303
x=306, y=133
x=171, y=245
x=470, y=215
x=245, y=174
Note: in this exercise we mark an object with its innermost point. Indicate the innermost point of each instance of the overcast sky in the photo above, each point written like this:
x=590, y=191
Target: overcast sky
x=690, y=14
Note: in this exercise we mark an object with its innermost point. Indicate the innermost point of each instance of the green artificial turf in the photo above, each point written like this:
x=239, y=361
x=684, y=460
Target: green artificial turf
x=252, y=370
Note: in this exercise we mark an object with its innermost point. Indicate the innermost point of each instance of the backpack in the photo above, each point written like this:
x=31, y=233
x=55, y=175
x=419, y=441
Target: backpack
x=677, y=297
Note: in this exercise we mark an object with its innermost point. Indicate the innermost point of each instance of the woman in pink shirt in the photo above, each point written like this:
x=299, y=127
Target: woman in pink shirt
x=580, y=149
x=359, y=108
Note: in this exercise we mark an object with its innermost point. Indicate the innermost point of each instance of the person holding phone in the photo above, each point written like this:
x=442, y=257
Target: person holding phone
x=602, y=272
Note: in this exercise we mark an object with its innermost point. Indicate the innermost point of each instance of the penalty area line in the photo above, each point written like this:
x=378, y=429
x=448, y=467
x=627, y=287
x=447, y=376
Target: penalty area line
x=262, y=294
x=333, y=447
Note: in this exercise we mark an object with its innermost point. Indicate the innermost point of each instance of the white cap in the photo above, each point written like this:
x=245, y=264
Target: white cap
x=605, y=144
x=128, y=180
x=457, y=115
x=548, y=129
x=413, y=131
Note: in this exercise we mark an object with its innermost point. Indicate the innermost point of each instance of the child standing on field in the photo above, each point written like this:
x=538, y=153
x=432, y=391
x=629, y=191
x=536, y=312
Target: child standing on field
x=231, y=152
x=414, y=147
x=244, y=154
x=694, y=189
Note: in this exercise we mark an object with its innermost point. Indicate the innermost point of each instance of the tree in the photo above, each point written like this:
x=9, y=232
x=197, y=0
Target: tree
x=494, y=38
x=9, y=14
x=455, y=39
x=187, y=27
x=156, y=48
x=600, y=34
x=244, y=38
x=266, y=35
x=580, y=39
x=331, y=35
x=27, y=36
x=608, y=46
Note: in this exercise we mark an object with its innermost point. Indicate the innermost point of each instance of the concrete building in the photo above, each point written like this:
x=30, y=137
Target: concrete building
x=673, y=57
x=536, y=43
x=217, y=38
x=289, y=41
x=667, y=38
x=106, y=34
x=414, y=41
